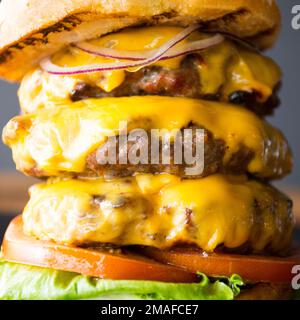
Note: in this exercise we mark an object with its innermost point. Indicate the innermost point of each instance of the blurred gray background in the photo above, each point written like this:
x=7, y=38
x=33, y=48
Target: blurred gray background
x=286, y=53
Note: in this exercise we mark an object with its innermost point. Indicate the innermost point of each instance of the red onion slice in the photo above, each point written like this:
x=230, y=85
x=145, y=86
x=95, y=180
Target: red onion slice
x=51, y=68
x=114, y=54
x=144, y=55
x=247, y=44
x=48, y=66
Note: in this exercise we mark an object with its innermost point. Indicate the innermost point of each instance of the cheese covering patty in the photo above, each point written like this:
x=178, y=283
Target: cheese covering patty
x=162, y=211
x=59, y=141
x=227, y=72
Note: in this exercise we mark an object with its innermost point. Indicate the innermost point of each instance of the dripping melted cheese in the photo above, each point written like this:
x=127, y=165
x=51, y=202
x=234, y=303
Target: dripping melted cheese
x=226, y=68
x=161, y=211
x=58, y=140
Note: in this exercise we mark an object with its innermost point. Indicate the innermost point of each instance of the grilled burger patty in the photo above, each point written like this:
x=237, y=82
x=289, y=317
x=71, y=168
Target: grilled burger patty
x=225, y=212
x=64, y=140
x=214, y=153
x=227, y=72
x=182, y=82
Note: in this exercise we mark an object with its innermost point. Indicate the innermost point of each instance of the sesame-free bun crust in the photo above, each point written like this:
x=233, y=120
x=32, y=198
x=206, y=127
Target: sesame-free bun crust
x=267, y=291
x=33, y=29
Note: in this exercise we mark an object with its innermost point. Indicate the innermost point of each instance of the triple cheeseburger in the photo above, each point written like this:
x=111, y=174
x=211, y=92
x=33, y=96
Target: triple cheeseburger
x=96, y=230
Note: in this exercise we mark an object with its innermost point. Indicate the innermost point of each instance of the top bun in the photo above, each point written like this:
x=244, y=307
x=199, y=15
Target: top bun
x=33, y=29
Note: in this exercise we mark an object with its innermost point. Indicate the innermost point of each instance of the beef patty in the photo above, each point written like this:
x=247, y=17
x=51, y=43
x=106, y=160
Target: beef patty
x=214, y=152
x=182, y=82
x=60, y=141
x=217, y=212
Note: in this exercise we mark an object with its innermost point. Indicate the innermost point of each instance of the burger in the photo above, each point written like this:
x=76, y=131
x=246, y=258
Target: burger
x=96, y=229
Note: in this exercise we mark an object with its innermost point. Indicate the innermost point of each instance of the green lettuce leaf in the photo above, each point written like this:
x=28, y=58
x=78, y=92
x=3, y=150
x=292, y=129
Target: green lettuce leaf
x=19, y=282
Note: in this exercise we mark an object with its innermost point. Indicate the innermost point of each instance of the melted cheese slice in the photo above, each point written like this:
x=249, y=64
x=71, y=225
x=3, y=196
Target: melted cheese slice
x=58, y=140
x=226, y=68
x=161, y=211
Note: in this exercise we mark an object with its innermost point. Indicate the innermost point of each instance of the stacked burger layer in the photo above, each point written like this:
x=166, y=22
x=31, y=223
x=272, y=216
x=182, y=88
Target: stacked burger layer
x=163, y=77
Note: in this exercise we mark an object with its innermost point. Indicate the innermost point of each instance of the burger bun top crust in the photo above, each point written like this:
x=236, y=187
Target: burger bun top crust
x=33, y=29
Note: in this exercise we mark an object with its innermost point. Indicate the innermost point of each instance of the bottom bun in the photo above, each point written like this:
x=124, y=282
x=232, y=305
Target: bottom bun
x=265, y=291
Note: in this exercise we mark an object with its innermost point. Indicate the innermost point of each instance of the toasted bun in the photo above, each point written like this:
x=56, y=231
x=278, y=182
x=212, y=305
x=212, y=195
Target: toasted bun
x=267, y=291
x=32, y=29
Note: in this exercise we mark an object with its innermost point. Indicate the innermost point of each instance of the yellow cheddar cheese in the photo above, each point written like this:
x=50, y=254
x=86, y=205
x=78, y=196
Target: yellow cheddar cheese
x=59, y=140
x=162, y=211
x=226, y=68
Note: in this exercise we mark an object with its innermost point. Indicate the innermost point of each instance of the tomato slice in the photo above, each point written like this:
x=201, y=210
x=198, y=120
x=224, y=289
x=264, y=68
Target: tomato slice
x=20, y=248
x=250, y=268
